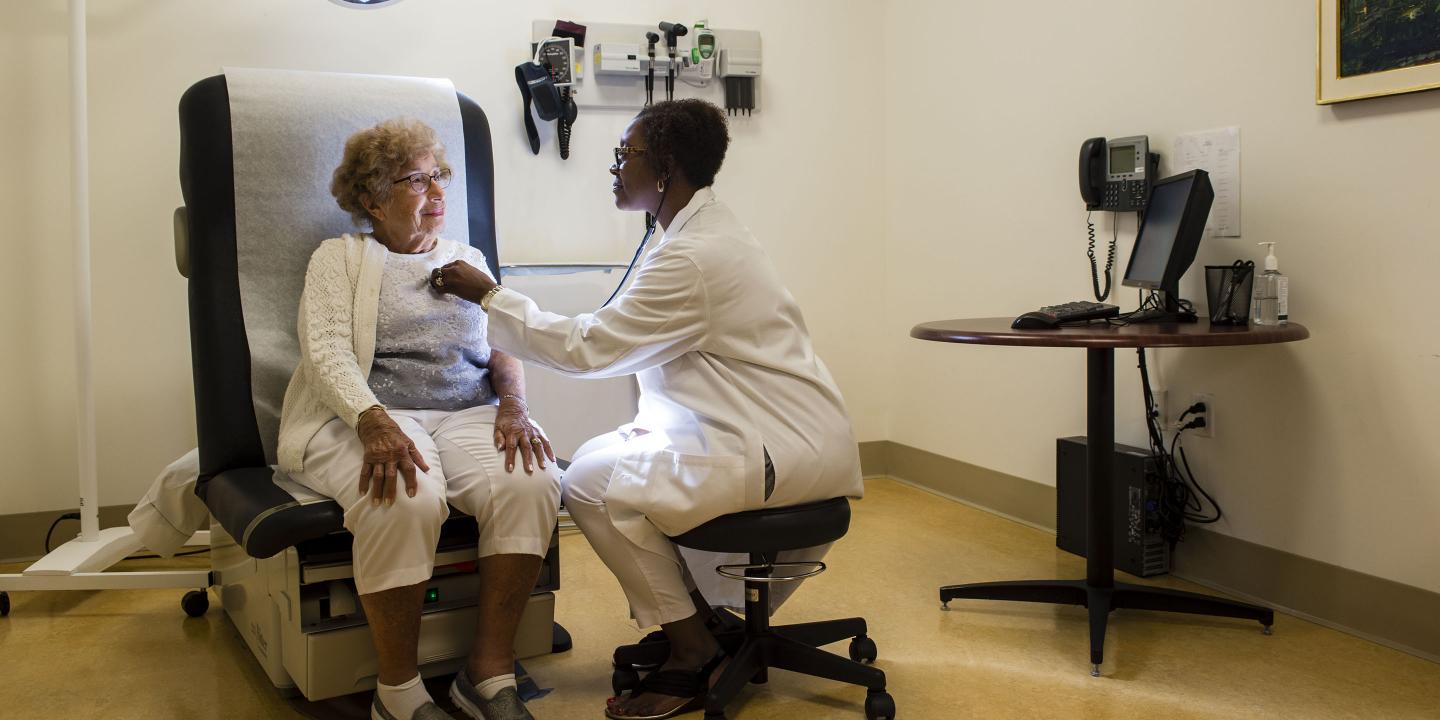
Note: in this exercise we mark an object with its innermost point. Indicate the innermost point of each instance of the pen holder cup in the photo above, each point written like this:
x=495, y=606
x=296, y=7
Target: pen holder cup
x=1228, y=287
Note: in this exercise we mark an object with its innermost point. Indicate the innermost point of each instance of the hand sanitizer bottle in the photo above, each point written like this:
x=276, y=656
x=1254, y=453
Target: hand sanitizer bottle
x=1270, y=302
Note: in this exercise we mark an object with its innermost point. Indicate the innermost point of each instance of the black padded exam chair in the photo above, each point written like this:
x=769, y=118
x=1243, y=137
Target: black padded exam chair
x=763, y=534
x=280, y=554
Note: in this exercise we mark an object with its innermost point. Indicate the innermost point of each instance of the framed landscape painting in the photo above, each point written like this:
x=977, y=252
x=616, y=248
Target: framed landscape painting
x=1369, y=48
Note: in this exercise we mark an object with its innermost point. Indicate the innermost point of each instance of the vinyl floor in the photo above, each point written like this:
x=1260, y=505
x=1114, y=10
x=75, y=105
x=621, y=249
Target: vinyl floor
x=133, y=654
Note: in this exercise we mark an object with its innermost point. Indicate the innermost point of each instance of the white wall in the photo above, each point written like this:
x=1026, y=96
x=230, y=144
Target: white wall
x=1324, y=448
x=789, y=168
x=962, y=169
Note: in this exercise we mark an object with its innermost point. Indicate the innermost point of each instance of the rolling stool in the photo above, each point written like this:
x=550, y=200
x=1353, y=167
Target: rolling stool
x=758, y=647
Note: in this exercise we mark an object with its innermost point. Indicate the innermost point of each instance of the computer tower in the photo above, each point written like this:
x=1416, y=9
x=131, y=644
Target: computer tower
x=1139, y=548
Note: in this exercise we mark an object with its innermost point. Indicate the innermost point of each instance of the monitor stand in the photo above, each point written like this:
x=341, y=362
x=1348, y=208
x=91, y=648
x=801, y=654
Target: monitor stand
x=1171, y=312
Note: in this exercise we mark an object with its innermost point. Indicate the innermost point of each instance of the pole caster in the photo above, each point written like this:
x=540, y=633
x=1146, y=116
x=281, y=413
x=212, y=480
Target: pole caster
x=195, y=603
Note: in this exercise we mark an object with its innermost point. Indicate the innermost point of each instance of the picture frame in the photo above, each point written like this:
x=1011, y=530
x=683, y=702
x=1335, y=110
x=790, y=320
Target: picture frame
x=1373, y=48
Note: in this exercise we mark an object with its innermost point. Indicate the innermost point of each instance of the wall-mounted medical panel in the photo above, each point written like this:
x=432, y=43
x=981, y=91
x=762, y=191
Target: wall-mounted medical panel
x=610, y=70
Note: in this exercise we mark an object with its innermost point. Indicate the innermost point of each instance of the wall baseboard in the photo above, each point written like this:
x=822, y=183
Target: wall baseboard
x=22, y=536
x=1382, y=611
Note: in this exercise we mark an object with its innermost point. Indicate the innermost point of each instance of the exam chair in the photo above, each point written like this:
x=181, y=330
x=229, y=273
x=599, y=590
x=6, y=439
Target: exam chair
x=280, y=557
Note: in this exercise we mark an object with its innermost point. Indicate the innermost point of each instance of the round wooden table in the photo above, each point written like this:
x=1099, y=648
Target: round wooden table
x=1098, y=591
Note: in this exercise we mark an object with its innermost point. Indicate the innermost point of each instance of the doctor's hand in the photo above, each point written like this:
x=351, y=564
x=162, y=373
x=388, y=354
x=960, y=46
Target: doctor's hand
x=462, y=280
x=514, y=432
x=388, y=451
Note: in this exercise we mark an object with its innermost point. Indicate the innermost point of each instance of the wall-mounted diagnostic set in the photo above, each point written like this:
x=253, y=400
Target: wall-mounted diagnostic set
x=626, y=60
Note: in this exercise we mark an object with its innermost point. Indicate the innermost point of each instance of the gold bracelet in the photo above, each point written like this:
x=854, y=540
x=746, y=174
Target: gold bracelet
x=516, y=398
x=379, y=407
x=488, y=296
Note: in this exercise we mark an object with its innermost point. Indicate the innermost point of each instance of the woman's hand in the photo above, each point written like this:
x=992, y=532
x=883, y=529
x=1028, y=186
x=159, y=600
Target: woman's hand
x=462, y=280
x=514, y=431
x=387, y=450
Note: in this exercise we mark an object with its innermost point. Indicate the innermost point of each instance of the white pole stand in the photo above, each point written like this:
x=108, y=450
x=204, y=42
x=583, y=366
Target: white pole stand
x=81, y=565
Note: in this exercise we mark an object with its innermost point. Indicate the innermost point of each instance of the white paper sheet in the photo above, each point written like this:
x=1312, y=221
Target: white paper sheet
x=1218, y=153
x=289, y=130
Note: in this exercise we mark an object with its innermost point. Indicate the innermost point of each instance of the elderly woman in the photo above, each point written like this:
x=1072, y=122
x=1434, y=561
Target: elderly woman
x=736, y=410
x=400, y=408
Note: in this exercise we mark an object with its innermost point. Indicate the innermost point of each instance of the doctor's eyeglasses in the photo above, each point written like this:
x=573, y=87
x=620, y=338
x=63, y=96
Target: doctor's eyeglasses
x=420, y=182
x=623, y=153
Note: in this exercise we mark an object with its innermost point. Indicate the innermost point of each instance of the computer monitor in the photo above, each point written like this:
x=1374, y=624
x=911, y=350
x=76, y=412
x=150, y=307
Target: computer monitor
x=1169, y=237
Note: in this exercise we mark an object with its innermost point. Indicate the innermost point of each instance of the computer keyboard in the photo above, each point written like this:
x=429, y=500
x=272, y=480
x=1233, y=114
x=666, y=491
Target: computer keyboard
x=1052, y=316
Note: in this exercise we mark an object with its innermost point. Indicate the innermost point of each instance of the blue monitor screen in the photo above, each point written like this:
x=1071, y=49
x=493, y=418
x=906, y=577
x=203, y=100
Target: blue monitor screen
x=1157, y=238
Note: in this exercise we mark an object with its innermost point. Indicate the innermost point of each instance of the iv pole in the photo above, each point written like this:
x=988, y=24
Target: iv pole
x=80, y=563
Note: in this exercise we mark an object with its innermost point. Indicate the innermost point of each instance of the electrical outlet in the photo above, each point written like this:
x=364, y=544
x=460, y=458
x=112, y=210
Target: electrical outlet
x=1162, y=408
x=1208, y=414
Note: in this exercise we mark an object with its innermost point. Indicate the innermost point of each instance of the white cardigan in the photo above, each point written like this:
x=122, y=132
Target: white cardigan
x=338, y=313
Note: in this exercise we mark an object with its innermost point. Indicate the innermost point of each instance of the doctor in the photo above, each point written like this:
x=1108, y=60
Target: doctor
x=736, y=410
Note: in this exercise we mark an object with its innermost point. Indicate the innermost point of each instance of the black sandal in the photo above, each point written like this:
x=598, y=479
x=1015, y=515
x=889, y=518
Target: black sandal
x=693, y=684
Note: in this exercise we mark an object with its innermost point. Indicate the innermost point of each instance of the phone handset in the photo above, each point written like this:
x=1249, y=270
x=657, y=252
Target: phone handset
x=1092, y=172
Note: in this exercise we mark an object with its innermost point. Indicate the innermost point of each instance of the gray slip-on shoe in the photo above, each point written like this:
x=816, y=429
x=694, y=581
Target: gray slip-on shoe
x=428, y=711
x=506, y=705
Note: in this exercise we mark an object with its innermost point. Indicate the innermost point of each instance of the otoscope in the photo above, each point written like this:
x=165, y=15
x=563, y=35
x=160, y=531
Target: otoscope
x=651, y=38
x=672, y=31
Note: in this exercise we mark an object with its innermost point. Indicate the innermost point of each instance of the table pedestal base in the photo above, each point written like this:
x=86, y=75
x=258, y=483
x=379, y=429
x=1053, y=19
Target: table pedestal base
x=1101, y=600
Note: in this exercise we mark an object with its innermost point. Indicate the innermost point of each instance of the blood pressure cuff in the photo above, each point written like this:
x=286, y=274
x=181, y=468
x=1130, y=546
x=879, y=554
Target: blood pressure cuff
x=538, y=87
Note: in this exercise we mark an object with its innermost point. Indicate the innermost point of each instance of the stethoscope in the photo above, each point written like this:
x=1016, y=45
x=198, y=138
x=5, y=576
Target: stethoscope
x=650, y=222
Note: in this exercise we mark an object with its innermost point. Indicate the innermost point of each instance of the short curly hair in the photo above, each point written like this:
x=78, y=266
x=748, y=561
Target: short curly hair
x=691, y=133
x=374, y=156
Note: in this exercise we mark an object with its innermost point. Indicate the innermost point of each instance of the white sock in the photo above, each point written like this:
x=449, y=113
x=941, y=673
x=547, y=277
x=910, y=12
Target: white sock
x=488, y=689
x=404, y=699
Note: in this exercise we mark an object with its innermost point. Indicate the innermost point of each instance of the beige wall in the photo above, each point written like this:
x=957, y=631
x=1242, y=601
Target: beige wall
x=1323, y=448
x=950, y=193
x=786, y=173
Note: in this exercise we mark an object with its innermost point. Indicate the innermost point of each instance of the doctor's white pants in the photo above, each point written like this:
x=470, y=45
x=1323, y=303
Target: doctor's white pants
x=395, y=544
x=657, y=585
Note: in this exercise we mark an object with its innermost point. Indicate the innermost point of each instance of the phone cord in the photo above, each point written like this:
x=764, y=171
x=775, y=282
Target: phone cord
x=1109, y=261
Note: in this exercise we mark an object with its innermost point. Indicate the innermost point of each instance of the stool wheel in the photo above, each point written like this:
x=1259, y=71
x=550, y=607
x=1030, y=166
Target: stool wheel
x=862, y=650
x=195, y=603
x=879, y=706
x=623, y=680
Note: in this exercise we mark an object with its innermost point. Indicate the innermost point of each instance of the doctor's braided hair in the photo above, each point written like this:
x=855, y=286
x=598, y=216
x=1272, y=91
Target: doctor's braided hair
x=690, y=133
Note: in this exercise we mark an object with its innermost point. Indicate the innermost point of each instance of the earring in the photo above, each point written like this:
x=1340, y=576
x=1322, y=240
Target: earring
x=660, y=185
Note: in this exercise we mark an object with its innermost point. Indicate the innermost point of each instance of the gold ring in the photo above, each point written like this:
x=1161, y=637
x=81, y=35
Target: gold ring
x=535, y=441
x=437, y=278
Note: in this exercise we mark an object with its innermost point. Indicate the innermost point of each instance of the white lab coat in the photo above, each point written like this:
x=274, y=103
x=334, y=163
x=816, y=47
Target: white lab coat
x=726, y=371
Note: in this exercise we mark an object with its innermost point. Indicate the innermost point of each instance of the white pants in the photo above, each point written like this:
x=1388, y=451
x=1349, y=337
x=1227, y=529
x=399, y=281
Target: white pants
x=657, y=585
x=395, y=544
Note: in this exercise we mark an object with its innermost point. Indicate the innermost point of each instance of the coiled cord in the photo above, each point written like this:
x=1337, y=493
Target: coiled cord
x=1109, y=261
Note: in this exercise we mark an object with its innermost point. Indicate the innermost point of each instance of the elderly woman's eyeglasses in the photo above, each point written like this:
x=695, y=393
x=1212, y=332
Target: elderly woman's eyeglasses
x=420, y=182
x=623, y=153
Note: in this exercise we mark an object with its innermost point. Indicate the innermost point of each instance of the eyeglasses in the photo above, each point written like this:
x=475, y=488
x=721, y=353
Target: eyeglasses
x=622, y=153
x=420, y=182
